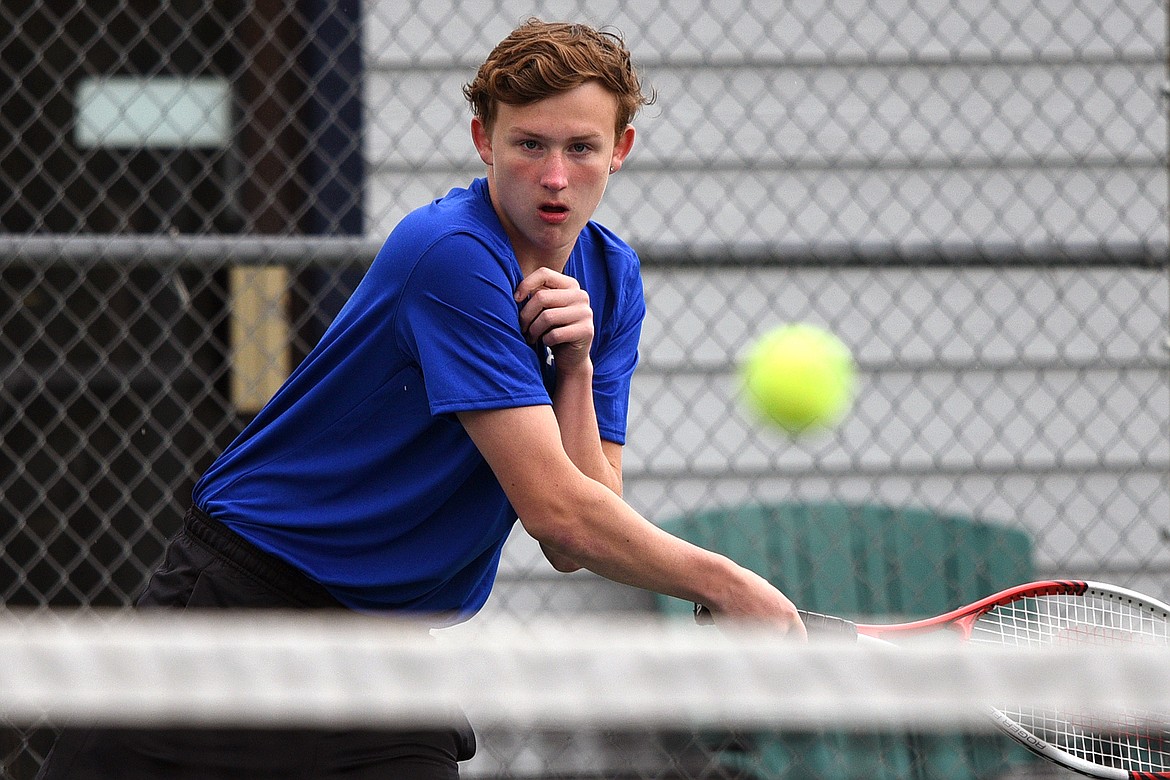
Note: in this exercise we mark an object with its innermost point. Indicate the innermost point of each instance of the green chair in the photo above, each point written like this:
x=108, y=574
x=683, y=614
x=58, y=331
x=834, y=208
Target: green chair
x=863, y=561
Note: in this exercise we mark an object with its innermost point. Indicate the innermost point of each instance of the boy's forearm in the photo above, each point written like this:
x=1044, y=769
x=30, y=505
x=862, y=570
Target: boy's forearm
x=577, y=420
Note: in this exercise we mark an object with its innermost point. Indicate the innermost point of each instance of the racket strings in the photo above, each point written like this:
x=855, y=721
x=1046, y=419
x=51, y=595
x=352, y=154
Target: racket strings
x=1129, y=740
x=1071, y=621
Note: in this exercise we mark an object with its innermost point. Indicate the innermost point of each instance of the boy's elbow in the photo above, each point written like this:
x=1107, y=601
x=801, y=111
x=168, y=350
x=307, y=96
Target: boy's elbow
x=562, y=563
x=562, y=538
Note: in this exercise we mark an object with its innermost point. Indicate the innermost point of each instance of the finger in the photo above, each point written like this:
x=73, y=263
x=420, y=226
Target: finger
x=572, y=334
x=543, y=278
x=547, y=309
x=562, y=325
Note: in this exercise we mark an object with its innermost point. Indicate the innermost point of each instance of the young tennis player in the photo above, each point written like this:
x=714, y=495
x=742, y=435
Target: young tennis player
x=480, y=373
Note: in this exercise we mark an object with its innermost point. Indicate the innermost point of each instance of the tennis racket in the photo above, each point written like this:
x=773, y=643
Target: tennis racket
x=1056, y=613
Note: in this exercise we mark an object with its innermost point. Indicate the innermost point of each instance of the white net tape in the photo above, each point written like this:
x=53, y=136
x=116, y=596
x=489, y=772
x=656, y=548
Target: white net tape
x=161, y=669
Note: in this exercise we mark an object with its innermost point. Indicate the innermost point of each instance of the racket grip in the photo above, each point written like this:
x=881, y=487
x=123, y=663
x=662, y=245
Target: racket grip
x=826, y=626
x=817, y=625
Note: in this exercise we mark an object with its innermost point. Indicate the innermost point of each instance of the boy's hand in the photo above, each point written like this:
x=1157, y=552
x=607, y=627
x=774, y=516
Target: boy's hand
x=555, y=311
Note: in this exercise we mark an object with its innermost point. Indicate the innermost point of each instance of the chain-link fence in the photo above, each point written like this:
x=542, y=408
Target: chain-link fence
x=972, y=195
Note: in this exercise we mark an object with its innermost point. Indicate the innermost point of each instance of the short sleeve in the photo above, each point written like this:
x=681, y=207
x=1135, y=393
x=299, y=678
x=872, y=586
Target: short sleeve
x=459, y=320
x=616, y=354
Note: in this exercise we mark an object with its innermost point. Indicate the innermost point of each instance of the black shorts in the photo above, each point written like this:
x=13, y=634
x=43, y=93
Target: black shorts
x=209, y=566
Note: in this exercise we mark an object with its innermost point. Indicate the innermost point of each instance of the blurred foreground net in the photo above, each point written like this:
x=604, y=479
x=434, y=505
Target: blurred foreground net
x=592, y=698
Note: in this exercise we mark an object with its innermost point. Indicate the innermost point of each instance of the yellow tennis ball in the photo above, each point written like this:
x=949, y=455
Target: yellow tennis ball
x=799, y=377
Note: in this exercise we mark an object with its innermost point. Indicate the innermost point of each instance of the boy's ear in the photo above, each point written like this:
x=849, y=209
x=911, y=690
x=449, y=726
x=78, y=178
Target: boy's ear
x=621, y=149
x=482, y=140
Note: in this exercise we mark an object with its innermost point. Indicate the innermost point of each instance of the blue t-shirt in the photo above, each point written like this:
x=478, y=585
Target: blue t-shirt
x=358, y=472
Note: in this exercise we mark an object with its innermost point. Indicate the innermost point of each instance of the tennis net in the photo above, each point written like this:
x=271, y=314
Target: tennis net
x=597, y=697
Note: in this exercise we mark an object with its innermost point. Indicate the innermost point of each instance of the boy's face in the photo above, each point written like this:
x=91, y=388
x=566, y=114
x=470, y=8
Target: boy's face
x=548, y=164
